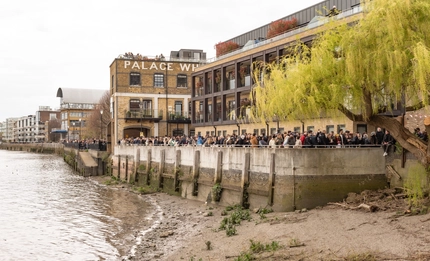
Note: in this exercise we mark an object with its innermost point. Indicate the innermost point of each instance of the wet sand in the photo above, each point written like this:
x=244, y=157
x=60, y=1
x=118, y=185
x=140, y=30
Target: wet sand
x=181, y=228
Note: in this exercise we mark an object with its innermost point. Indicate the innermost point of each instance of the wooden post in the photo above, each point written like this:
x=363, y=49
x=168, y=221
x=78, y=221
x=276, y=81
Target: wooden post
x=126, y=169
x=148, y=168
x=245, y=180
x=271, y=179
x=119, y=167
x=196, y=171
x=177, y=170
x=218, y=168
x=136, y=164
x=161, y=168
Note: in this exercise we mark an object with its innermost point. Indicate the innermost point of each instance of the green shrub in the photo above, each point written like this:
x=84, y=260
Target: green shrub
x=229, y=223
x=416, y=184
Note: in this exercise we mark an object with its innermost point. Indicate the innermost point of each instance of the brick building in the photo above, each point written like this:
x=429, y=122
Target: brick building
x=150, y=96
x=76, y=105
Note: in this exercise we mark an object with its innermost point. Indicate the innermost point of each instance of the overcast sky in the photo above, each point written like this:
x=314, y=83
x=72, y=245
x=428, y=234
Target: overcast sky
x=50, y=43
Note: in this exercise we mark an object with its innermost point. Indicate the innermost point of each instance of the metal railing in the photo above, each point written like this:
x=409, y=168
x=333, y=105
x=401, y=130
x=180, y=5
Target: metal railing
x=159, y=59
x=185, y=116
x=144, y=114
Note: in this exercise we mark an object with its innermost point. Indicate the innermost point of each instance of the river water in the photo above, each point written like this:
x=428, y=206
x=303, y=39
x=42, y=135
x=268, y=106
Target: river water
x=48, y=212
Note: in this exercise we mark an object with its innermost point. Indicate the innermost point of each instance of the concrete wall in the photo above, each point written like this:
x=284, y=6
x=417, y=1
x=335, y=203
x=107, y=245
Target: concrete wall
x=285, y=179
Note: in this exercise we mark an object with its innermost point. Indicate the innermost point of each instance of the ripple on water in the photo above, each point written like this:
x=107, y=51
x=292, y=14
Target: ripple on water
x=50, y=213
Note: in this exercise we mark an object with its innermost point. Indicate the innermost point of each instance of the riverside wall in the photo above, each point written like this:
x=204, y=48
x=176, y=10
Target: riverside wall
x=34, y=147
x=285, y=179
x=92, y=165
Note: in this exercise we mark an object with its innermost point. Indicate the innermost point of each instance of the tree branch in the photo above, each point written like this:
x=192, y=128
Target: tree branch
x=349, y=114
x=415, y=107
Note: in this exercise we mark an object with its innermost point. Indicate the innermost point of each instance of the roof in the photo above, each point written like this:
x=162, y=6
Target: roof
x=88, y=96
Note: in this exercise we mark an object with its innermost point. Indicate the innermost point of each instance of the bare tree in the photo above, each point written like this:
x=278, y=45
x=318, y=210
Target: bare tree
x=54, y=124
x=99, y=118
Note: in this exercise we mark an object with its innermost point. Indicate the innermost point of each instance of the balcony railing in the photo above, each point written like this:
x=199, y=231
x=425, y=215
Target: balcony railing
x=179, y=117
x=144, y=114
x=324, y=20
x=159, y=58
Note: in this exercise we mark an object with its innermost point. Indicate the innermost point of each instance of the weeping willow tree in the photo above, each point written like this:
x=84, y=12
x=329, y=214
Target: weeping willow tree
x=357, y=70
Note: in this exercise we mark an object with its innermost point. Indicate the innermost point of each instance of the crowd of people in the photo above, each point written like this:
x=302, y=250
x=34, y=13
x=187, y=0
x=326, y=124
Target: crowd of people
x=85, y=144
x=309, y=139
x=289, y=139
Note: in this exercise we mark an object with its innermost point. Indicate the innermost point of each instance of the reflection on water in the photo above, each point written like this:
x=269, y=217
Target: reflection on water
x=48, y=212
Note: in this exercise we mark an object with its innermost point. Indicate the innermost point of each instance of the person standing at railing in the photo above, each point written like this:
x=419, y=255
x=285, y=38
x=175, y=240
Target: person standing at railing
x=254, y=141
x=199, y=141
x=333, y=12
x=311, y=140
x=303, y=138
x=372, y=139
x=290, y=140
x=262, y=141
x=272, y=141
x=322, y=138
x=279, y=140
x=341, y=138
x=357, y=139
x=379, y=135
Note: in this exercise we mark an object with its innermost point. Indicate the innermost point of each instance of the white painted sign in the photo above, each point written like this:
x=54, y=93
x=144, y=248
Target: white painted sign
x=185, y=67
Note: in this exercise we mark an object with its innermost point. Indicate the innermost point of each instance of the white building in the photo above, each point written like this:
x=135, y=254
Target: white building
x=9, y=126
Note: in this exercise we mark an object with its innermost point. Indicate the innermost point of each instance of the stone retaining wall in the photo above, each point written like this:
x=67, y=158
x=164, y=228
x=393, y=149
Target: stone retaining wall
x=285, y=179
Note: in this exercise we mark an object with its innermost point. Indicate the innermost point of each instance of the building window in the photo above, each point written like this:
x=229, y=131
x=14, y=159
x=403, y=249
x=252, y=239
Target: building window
x=297, y=129
x=209, y=112
x=158, y=80
x=224, y=133
x=135, y=79
x=181, y=80
x=178, y=132
x=361, y=128
x=147, y=106
x=272, y=130
x=310, y=128
x=329, y=128
x=134, y=104
x=52, y=116
x=243, y=131
x=256, y=131
x=341, y=126
x=263, y=132
x=231, y=110
x=178, y=107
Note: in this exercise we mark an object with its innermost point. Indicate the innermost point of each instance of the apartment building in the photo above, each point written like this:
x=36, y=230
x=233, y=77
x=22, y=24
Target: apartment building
x=8, y=135
x=75, y=107
x=151, y=96
x=2, y=130
x=34, y=128
x=221, y=103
